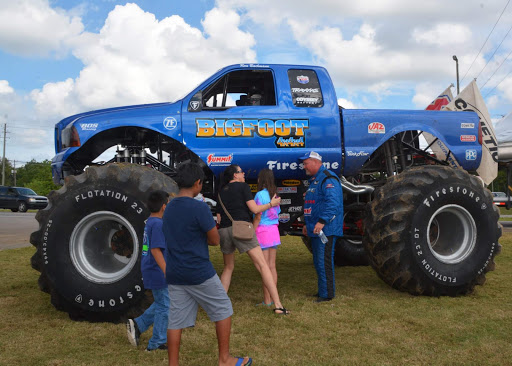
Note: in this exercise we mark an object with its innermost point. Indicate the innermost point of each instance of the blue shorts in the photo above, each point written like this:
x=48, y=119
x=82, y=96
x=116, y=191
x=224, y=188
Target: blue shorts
x=185, y=300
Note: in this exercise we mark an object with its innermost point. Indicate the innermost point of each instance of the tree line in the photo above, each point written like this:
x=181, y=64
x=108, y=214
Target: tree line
x=34, y=175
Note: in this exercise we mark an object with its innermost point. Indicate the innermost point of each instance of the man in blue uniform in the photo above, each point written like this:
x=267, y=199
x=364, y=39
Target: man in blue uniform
x=323, y=213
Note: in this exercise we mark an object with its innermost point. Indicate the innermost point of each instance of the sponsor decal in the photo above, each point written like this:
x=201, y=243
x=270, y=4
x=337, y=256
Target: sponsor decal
x=253, y=65
x=276, y=165
x=291, y=182
x=303, y=79
x=305, y=90
x=88, y=126
x=170, y=123
x=284, y=217
x=286, y=201
x=471, y=154
x=357, y=153
x=467, y=125
x=284, y=190
x=219, y=160
x=306, y=100
x=194, y=105
x=307, y=211
x=376, y=127
x=306, y=183
x=295, y=209
x=288, y=133
x=329, y=185
x=467, y=138
x=312, y=202
x=254, y=188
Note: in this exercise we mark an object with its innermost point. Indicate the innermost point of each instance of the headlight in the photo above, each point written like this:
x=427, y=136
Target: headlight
x=31, y=200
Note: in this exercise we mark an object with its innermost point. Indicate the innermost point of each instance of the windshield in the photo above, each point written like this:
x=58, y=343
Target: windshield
x=26, y=192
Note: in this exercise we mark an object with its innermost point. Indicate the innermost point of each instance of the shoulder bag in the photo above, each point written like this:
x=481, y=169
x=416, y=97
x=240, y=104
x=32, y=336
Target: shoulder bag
x=242, y=230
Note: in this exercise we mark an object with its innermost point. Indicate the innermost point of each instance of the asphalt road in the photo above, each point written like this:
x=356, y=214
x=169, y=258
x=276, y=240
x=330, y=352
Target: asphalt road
x=16, y=227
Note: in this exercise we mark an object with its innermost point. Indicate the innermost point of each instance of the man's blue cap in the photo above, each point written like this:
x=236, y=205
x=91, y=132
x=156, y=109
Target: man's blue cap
x=311, y=155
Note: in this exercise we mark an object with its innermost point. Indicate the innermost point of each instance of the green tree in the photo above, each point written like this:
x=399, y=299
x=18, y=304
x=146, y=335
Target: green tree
x=36, y=176
x=500, y=183
x=8, y=172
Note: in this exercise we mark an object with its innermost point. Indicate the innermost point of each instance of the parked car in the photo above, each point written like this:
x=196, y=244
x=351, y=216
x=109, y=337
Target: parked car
x=21, y=199
x=500, y=199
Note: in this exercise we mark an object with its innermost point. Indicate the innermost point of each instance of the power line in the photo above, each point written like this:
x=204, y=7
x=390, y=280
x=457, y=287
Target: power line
x=485, y=41
x=510, y=53
x=487, y=63
x=498, y=83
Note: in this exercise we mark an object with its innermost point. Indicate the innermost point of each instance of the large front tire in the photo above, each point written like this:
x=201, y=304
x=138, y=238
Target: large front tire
x=89, y=241
x=434, y=231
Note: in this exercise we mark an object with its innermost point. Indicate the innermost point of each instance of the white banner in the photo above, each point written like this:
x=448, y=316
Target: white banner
x=470, y=99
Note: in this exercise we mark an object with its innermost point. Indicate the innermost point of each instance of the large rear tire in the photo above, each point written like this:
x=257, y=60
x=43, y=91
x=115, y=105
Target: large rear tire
x=434, y=231
x=89, y=241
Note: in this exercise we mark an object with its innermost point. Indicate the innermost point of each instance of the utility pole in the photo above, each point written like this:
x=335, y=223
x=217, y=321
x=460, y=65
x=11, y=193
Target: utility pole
x=3, y=158
x=457, y=69
x=14, y=171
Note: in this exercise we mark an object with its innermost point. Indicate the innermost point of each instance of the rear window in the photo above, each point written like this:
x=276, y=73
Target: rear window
x=305, y=89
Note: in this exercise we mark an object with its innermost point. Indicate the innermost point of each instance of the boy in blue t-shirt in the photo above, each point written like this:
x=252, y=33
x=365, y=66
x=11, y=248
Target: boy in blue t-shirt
x=189, y=228
x=153, y=274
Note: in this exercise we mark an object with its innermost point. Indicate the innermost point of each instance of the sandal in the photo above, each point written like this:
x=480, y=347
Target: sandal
x=282, y=311
x=240, y=361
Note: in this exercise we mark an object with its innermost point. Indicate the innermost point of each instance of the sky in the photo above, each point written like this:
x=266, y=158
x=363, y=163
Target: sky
x=61, y=57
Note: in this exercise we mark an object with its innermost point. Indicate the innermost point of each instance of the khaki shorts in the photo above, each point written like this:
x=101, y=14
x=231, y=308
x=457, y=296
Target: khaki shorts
x=228, y=244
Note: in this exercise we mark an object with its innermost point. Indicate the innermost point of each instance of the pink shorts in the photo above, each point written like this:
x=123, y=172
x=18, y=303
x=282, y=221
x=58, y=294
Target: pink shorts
x=268, y=236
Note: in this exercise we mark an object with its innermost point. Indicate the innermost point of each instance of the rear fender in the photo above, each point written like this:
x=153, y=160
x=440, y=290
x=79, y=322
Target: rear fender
x=366, y=130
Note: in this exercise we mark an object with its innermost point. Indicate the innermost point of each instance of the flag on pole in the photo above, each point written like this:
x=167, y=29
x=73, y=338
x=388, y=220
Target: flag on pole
x=436, y=145
x=470, y=99
x=443, y=99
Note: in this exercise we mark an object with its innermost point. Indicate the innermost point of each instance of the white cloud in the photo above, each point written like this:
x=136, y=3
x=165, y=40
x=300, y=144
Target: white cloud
x=347, y=104
x=32, y=27
x=136, y=58
x=437, y=35
x=5, y=88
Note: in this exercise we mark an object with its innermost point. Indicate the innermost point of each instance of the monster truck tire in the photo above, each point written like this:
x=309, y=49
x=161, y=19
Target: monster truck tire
x=432, y=230
x=90, y=238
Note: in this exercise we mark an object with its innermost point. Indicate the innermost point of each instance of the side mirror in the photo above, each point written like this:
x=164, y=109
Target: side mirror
x=196, y=102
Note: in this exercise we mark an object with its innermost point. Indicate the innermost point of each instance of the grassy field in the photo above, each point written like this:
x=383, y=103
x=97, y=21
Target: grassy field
x=368, y=323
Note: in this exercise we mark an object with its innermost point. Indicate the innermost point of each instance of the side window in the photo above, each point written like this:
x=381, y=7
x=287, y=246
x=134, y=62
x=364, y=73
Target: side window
x=305, y=88
x=3, y=191
x=241, y=88
x=12, y=192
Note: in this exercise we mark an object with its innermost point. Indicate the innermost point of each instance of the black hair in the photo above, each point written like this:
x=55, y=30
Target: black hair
x=188, y=174
x=228, y=174
x=156, y=200
x=266, y=180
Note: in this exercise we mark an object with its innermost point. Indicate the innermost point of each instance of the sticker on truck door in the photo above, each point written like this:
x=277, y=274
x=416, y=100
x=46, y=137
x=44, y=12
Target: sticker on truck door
x=287, y=132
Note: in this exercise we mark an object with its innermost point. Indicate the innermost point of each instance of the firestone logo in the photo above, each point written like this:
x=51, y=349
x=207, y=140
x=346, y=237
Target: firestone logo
x=219, y=160
x=376, y=127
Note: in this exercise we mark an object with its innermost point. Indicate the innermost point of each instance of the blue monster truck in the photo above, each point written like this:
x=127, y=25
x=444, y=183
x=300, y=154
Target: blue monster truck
x=426, y=227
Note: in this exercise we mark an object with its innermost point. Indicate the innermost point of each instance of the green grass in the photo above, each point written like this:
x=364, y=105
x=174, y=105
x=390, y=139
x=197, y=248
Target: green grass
x=368, y=323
